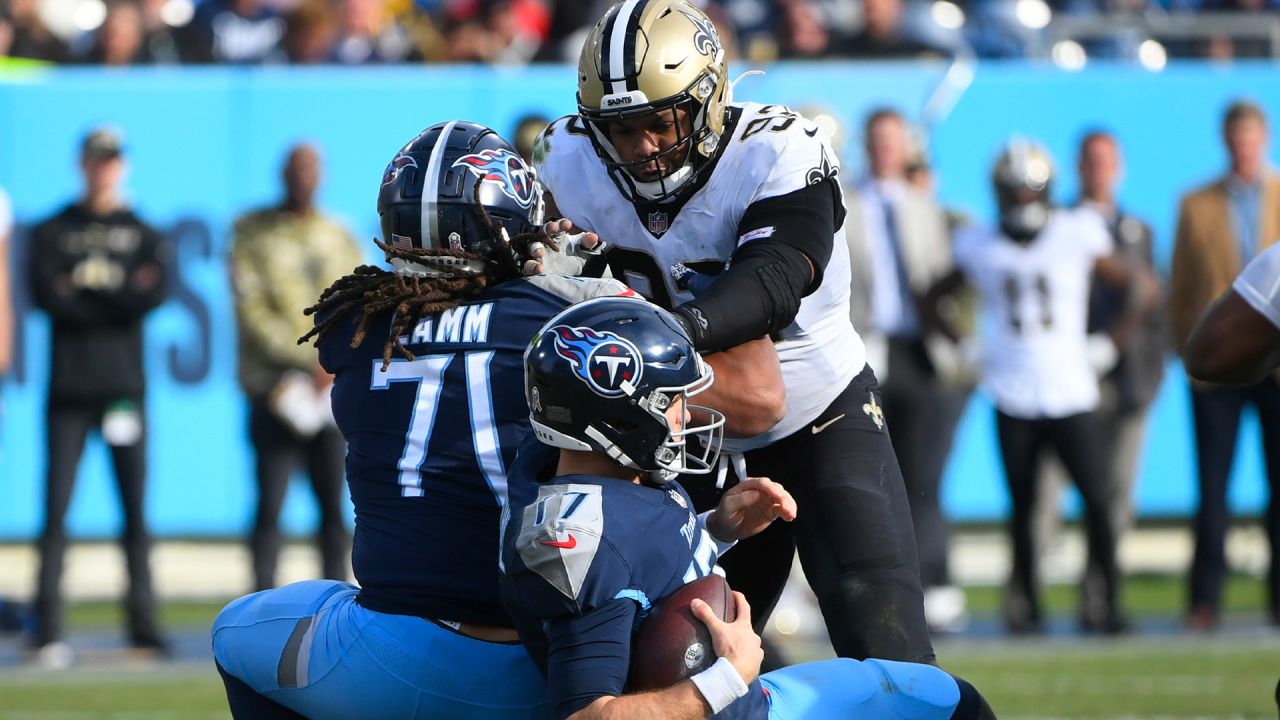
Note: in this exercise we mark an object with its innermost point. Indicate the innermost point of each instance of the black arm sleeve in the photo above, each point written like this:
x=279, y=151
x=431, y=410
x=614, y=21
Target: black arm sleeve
x=760, y=293
x=588, y=656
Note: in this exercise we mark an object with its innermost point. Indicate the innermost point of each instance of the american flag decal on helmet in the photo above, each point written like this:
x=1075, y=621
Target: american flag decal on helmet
x=400, y=242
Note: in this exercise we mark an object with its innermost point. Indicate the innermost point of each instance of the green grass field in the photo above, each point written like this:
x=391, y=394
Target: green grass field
x=1149, y=676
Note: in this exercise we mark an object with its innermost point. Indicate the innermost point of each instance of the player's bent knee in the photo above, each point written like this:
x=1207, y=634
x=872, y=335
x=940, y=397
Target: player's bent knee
x=919, y=692
x=844, y=688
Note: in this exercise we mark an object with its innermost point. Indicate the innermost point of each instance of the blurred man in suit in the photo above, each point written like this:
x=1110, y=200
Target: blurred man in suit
x=899, y=244
x=1221, y=227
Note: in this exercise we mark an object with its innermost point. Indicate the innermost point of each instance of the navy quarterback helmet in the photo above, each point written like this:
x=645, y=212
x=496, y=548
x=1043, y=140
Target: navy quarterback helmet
x=429, y=195
x=601, y=376
x=1022, y=178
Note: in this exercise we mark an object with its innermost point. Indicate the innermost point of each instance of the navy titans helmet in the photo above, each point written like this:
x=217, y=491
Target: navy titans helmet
x=601, y=376
x=429, y=193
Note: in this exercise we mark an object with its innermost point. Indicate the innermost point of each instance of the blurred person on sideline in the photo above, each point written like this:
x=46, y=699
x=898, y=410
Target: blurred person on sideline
x=29, y=37
x=96, y=270
x=233, y=32
x=1237, y=340
x=518, y=28
x=883, y=36
x=1127, y=356
x=368, y=33
x=10, y=612
x=282, y=257
x=567, y=28
x=119, y=40
x=162, y=32
x=1032, y=275
x=899, y=245
x=1221, y=227
x=800, y=32
x=310, y=33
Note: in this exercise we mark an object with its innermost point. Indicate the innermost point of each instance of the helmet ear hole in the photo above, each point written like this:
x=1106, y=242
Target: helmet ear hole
x=620, y=424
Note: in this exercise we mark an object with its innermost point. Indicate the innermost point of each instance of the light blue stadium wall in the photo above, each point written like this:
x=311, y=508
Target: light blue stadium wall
x=206, y=144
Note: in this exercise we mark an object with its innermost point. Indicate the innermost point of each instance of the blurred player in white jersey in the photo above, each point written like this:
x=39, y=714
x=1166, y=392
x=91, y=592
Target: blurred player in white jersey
x=727, y=214
x=1033, y=275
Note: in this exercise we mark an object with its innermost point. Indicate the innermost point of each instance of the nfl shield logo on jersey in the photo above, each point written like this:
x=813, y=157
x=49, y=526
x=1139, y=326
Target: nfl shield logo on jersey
x=657, y=222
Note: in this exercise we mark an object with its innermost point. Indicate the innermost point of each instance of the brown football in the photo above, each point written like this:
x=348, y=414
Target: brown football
x=672, y=644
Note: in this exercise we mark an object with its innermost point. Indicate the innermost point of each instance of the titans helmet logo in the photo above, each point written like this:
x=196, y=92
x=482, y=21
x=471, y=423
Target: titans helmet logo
x=705, y=38
x=608, y=364
x=505, y=169
x=396, y=166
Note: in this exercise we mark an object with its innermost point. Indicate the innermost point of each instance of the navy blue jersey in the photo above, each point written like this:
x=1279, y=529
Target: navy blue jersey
x=584, y=559
x=429, y=441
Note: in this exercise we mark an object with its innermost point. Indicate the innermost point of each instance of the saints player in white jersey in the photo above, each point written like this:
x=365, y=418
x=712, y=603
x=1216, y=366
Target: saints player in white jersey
x=1033, y=275
x=682, y=184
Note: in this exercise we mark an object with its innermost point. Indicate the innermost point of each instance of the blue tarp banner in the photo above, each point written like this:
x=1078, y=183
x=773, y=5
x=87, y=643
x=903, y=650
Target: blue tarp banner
x=204, y=145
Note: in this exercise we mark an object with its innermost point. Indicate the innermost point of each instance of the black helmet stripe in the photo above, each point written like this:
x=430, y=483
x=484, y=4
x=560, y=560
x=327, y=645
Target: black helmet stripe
x=629, y=46
x=618, y=46
x=431, y=189
x=606, y=51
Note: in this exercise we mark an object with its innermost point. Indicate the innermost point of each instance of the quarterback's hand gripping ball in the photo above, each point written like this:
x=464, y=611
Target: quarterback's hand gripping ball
x=672, y=644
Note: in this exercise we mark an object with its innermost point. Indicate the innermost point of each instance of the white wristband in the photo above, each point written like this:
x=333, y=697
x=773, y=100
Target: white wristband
x=720, y=684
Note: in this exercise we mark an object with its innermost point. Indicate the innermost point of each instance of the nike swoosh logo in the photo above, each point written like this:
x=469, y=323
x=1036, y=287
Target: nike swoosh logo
x=569, y=544
x=819, y=428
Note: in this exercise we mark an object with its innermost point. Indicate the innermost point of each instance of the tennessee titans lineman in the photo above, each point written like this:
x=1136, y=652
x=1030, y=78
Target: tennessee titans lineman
x=588, y=551
x=427, y=392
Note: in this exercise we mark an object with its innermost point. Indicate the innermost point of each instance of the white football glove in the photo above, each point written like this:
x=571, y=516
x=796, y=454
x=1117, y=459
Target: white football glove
x=575, y=250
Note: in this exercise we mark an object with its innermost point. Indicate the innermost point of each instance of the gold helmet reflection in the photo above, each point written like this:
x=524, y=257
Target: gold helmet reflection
x=1022, y=178
x=645, y=56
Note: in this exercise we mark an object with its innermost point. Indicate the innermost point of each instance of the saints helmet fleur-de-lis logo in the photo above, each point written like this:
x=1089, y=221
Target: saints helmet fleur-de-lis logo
x=705, y=38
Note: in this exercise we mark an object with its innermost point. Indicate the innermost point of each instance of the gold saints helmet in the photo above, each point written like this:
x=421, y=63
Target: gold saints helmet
x=647, y=56
x=1022, y=178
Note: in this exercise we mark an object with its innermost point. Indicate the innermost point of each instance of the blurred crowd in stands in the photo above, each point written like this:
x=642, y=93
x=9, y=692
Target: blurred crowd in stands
x=1067, y=32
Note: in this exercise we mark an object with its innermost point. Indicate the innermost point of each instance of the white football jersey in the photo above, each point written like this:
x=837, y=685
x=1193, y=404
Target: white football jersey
x=1259, y=284
x=1034, y=313
x=772, y=152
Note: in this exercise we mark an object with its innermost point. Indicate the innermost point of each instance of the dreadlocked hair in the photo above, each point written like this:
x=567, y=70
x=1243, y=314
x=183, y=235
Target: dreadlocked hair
x=373, y=290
